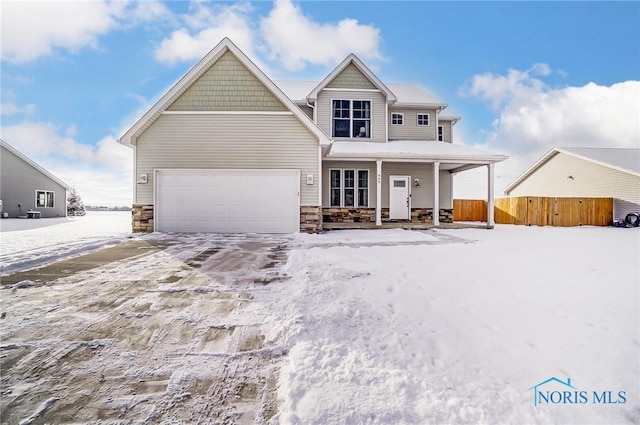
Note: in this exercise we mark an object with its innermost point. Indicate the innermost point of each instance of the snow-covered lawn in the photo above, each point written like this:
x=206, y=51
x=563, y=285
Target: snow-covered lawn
x=369, y=327
x=28, y=243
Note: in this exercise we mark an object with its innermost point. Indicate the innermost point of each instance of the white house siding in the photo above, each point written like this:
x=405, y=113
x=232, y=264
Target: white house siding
x=351, y=77
x=227, y=86
x=228, y=142
x=567, y=176
x=421, y=196
x=378, y=113
x=410, y=129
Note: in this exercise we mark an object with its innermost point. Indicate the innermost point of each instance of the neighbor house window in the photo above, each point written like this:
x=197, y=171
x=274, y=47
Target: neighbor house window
x=423, y=119
x=440, y=134
x=397, y=119
x=351, y=118
x=44, y=199
x=349, y=188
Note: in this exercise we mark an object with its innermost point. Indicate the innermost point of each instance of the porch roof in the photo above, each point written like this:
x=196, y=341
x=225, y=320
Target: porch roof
x=452, y=157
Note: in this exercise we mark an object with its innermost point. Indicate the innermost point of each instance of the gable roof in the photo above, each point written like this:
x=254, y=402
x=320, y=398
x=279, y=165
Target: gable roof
x=406, y=94
x=353, y=59
x=620, y=159
x=130, y=136
x=33, y=163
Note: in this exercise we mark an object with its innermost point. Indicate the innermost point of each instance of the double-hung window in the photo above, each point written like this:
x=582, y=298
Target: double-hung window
x=45, y=199
x=440, y=134
x=423, y=119
x=351, y=118
x=349, y=188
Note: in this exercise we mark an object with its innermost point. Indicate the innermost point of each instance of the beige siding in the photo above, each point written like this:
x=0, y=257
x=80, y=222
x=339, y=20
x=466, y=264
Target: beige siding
x=410, y=129
x=348, y=165
x=227, y=86
x=589, y=180
x=351, y=78
x=228, y=142
x=446, y=130
x=421, y=197
x=378, y=117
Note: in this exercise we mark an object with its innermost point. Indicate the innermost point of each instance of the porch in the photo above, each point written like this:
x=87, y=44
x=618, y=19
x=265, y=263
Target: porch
x=409, y=181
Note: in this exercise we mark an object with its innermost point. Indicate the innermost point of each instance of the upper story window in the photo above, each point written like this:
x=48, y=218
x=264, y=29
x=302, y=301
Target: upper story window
x=423, y=119
x=44, y=199
x=351, y=118
x=440, y=134
x=397, y=119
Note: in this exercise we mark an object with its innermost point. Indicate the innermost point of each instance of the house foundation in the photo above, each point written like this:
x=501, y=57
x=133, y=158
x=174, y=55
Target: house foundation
x=368, y=215
x=142, y=218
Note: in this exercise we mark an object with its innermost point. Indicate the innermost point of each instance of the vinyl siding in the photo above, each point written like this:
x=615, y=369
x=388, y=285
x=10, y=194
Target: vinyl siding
x=228, y=142
x=307, y=110
x=378, y=118
x=589, y=180
x=227, y=86
x=351, y=78
x=446, y=131
x=421, y=197
x=410, y=129
x=19, y=182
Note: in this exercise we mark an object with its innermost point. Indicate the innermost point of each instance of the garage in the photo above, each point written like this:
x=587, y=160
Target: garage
x=227, y=201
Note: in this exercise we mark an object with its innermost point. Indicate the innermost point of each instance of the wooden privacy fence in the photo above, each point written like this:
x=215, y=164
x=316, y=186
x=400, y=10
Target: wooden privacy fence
x=539, y=211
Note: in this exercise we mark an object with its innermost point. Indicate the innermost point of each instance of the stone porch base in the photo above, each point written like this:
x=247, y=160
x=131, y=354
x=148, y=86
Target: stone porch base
x=368, y=215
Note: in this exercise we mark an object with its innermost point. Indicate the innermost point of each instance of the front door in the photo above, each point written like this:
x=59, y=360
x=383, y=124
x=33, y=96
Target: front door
x=399, y=197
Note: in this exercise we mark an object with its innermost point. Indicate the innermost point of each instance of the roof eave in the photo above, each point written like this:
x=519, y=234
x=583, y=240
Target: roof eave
x=33, y=164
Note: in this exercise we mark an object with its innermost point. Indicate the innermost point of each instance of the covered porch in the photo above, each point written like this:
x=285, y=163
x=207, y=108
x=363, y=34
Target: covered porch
x=407, y=184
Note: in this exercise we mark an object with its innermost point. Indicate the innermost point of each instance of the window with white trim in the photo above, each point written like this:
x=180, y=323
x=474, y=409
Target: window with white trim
x=45, y=199
x=351, y=118
x=349, y=188
x=397, y=118
x=440, y=133
x=423, y=119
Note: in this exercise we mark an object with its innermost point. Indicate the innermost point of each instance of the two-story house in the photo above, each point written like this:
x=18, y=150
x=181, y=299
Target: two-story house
x=228, y=150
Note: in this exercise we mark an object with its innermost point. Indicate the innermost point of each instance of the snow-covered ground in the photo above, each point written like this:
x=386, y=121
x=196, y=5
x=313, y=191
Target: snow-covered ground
x=368, y=327
x=28, y=243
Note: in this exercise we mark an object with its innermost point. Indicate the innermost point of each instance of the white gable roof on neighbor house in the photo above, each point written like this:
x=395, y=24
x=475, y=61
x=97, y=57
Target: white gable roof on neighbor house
x=621, y=159
x=129, y=138
x=33, y=164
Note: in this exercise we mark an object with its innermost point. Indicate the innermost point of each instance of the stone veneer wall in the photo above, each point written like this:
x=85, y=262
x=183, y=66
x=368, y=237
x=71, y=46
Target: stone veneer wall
x=311, y=219
x=368, y=215
x=142, y=218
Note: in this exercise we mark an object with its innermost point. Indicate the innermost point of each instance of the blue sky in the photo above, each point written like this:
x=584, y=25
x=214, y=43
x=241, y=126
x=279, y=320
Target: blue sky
x=524, y=76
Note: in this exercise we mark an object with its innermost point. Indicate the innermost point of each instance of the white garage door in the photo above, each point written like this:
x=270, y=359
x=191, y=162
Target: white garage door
x=227, y=201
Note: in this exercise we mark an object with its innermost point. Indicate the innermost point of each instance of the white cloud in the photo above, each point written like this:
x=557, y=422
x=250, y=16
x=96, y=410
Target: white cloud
x=11, y=109
x=102, y=173
x=297, y=40
x=204, y=27
x=31, y=29
x=533, y=117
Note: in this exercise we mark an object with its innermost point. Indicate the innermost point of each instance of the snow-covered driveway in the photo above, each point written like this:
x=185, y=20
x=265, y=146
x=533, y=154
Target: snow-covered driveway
x=348, y=327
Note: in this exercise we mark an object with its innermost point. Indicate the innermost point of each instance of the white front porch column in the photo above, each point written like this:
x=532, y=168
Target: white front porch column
x=378, y=193
x=436, y=193
x=490, y=201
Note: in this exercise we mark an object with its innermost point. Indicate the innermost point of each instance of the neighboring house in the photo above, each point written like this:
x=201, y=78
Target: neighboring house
x=585, y=172
x=26, y=186
x=228, y=150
